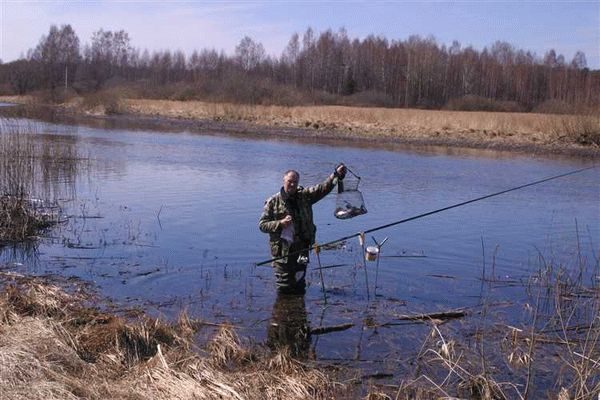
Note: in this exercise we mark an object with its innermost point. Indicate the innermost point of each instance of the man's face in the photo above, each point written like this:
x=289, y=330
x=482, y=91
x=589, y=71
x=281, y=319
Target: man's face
x=290, y=183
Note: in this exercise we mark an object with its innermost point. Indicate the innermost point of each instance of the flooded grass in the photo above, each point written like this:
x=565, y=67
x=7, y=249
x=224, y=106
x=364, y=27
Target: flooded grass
x=57, y=342
x=553, y=353
x=22, y=219
x=30, y=168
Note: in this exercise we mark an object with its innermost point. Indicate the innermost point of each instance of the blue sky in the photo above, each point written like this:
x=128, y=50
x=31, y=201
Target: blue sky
x=566, y=26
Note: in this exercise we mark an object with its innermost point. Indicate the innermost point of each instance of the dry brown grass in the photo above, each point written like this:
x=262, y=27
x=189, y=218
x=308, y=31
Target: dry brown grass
x=17, y=99
x=52, y=347
x=470, y=129
x=105, y=102
x=385, y=123
x=583, y=130
x=21, y=219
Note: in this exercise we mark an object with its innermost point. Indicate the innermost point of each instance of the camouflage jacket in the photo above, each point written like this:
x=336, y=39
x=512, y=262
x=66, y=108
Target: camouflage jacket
x=299, y=206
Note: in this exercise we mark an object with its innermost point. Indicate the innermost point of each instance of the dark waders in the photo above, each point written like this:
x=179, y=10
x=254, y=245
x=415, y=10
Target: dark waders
x=291, y=275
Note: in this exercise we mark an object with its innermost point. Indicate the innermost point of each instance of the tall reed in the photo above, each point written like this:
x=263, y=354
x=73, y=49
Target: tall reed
x=554, y=352
x=32, y=169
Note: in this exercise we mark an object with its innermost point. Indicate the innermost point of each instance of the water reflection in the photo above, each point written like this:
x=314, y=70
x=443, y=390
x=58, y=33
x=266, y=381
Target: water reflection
x=289, y=329
x=19, y=257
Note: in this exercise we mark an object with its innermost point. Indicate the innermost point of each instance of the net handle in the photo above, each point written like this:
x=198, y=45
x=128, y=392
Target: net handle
x=341, y=181
x=356, y=176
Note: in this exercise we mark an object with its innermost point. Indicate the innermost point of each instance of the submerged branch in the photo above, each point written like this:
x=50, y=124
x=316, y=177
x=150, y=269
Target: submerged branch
x=321, y=330
x=433, y=316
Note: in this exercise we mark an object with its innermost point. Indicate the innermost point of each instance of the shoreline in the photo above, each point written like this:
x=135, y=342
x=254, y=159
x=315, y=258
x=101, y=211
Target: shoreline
x=84, y=344
x=422, y=130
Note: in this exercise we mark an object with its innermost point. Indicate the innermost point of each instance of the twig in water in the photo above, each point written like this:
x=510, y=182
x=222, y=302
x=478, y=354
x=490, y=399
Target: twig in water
x=158, y=217
x=438, y=315
x=333, y=328
x=331, y=266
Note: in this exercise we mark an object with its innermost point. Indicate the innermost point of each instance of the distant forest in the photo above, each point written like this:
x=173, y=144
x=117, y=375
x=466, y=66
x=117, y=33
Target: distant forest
x=324, y=68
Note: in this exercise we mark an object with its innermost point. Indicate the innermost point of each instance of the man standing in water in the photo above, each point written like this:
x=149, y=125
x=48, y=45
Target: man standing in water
x=288, y=219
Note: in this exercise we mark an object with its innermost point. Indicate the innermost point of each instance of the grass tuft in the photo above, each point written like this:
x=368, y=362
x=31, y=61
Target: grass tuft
x=31, y=167
x=53, y=347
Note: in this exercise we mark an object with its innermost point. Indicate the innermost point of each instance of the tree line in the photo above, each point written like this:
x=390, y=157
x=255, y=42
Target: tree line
x=324, y=67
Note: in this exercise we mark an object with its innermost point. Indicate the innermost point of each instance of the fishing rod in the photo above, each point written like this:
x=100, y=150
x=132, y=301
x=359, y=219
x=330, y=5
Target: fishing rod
x=430, y=213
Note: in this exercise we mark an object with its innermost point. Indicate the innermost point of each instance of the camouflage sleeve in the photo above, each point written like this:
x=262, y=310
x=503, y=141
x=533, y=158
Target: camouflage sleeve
x=267, y=222
x=317, y=192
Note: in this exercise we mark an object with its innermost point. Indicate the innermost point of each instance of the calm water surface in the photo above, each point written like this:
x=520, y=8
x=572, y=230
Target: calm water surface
x=168, y=221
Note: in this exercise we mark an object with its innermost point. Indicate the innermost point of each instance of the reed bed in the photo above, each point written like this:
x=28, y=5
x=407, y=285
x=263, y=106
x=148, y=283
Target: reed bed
x=54, y=347
x=33, y=172
x=554, y=353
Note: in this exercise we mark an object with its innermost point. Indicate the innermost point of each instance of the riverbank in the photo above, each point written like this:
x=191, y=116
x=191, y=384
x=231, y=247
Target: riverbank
x=56, y=343
x=58, y=340
x=528, y=133
x=447, y=325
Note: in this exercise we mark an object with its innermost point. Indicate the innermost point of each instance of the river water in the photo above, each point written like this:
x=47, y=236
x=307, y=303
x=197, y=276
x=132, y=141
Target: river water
x=168, y=222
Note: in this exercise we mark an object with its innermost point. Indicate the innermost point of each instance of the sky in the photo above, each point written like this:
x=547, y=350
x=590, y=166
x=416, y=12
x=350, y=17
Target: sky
x=536, y=26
